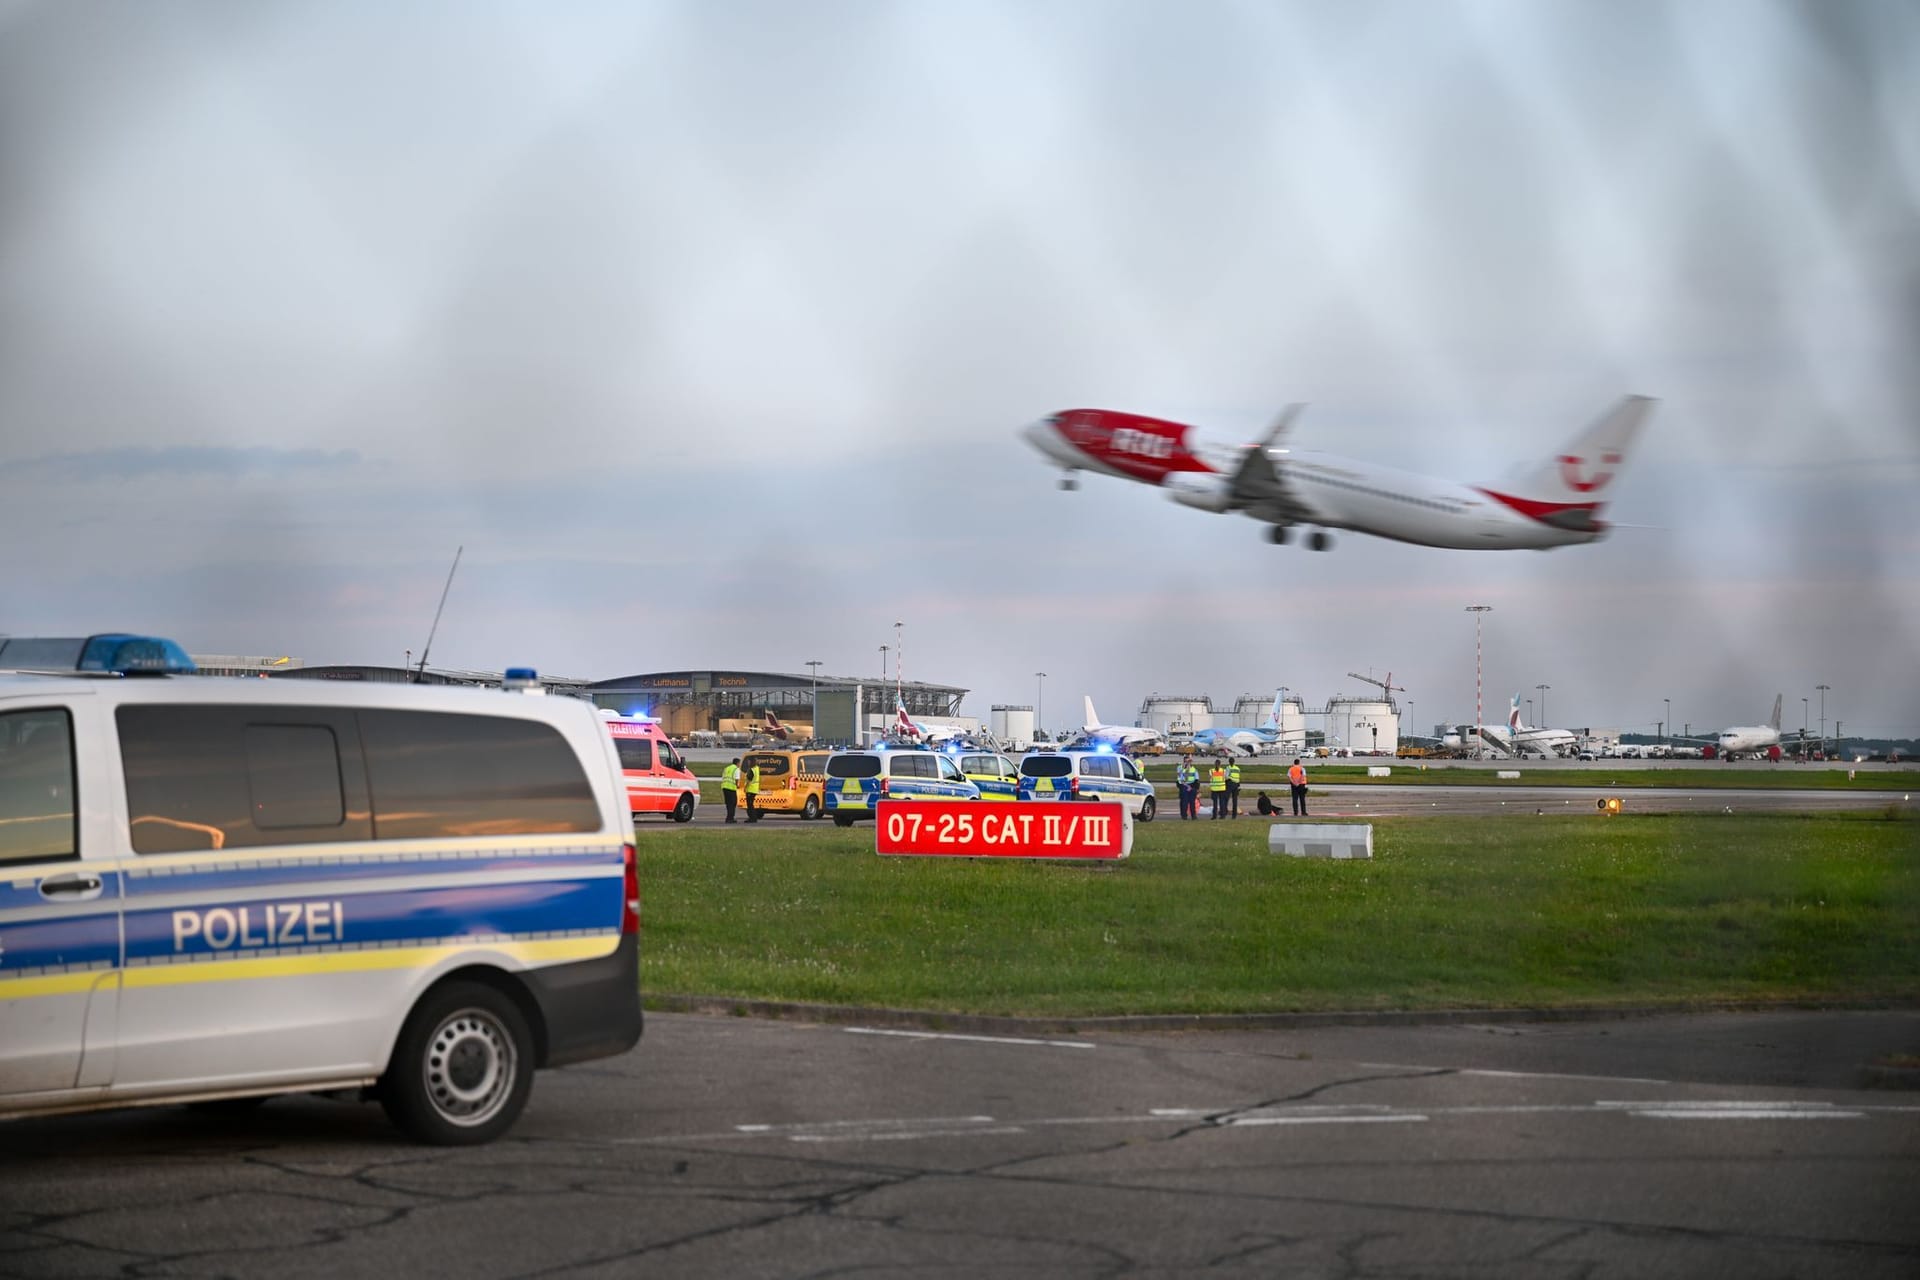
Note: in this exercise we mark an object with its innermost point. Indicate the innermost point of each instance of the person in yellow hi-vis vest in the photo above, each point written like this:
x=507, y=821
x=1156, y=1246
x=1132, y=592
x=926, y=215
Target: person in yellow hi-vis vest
x=753, y=791
x=730, y=787
x=1233, y=788
x=1217, y=787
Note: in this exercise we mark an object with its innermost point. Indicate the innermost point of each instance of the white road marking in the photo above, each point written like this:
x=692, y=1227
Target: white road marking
x=1761, y=1110
x=1250, y=1121
x=814, y=1126
x=950, y=1035
x=1509, y=1075
x=905, y=1135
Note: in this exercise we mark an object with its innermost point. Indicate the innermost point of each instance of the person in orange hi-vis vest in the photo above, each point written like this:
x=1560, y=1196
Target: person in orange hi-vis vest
x=1297, y=781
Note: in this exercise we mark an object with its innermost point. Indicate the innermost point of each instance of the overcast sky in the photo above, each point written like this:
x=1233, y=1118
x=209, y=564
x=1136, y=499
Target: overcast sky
x=706, y=330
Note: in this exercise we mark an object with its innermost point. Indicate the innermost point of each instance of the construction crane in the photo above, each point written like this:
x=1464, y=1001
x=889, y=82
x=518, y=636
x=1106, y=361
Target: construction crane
x=1387, y=687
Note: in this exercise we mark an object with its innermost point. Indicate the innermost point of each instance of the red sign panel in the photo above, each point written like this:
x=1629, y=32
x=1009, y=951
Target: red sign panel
x=997, y=829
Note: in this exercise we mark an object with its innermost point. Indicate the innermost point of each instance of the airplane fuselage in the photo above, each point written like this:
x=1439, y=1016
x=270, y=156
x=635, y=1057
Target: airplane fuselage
x=1321, y=489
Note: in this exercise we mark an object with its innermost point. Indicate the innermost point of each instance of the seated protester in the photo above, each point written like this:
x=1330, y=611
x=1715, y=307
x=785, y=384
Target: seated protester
x=1263, y=805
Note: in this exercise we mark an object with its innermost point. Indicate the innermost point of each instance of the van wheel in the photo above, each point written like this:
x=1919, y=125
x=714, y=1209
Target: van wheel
x=683, y=811
x=463, y=1067
x=811, y=810
x=842, y=820
x=1147, y=810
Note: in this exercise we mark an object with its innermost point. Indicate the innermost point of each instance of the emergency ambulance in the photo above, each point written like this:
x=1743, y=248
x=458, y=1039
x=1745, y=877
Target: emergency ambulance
x=214, y=890
x=1087, y=775
x=658, y=778
x=859, y=780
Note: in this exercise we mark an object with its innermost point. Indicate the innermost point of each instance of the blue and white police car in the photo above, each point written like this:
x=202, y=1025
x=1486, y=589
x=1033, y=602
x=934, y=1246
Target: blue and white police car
x=218, y=889
x=859, y=780
x=1094, y=774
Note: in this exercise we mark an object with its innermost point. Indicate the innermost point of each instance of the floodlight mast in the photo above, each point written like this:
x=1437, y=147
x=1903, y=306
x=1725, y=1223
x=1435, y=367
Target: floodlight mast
x=1479, y=720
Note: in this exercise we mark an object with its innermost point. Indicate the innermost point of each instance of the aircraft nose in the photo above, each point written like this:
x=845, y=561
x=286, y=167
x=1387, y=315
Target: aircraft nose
x=1042, y=436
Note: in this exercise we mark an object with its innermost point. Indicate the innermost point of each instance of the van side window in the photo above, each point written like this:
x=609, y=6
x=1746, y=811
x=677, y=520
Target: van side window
x=635, y=753
x=37, y=822
x=1130, y=769
x=1100, y=767
x=219, y=777
x=670, y=757
x=443, y=774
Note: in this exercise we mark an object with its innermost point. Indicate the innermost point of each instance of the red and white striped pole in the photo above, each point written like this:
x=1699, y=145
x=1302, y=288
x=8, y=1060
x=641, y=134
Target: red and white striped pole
x=1479, y=716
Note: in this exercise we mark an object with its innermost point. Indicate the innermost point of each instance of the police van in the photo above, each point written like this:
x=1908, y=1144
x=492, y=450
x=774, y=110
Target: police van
x=218, y=889
x=997, y=777
x=1087, y=775
x=859, y=780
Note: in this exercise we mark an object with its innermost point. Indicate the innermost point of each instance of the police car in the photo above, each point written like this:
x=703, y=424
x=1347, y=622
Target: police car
x=859, y=780
x=997, y=777
x=1095, y=774
x=221, y=889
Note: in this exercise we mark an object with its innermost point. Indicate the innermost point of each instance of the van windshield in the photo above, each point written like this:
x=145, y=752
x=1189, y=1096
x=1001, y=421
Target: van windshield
x=771, y=766
x=854, y=766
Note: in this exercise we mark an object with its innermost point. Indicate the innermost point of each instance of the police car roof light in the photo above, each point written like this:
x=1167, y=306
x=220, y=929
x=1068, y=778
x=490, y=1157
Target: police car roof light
x=131, y=655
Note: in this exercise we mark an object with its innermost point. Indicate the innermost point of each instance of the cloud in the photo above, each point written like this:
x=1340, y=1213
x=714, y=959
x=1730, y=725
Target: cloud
x=146, y=463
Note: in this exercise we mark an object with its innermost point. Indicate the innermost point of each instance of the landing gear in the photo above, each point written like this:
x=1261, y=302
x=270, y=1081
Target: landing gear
x=1320, y=540
x=1280, y=534
x=1068, y=482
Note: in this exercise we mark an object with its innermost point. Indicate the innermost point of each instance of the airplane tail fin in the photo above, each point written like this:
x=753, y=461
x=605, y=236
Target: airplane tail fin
x=1513, y=714
x=1774, y=721
x=1582, y=470
x=1093, y=721
x=1276, y=716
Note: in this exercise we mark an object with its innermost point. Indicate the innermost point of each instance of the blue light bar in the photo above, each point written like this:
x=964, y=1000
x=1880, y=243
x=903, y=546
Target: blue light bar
x=130, y=655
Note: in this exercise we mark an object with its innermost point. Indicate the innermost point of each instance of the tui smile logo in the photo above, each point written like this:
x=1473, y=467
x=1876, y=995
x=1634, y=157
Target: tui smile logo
x=1572, y=470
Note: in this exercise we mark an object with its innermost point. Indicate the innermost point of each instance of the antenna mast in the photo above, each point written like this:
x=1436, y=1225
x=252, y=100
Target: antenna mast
x=422, y=669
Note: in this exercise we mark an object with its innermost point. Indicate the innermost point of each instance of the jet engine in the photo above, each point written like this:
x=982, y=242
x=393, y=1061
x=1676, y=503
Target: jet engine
x=1208, y=493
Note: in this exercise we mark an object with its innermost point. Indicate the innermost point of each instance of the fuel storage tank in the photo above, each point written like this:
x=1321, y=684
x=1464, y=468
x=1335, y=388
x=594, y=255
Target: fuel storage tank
x=1011, y=726
x=1176, y=715
x=1363, y=725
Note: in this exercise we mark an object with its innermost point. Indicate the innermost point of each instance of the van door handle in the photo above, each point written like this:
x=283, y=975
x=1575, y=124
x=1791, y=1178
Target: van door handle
x=73, y=888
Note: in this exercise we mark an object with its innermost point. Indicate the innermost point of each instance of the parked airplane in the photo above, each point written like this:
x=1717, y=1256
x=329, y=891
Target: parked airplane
x=772, y=728
x=929, y=732
x=1117, y=735
x=1559, y=742
x=1555, y=503
x=1247, y=741
x=1752, y=739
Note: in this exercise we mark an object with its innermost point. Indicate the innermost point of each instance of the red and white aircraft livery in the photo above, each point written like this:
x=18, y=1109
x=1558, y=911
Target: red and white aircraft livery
x=1554, y=504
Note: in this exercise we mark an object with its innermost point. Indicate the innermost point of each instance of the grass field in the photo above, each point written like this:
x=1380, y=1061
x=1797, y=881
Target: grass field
x=1452, y=912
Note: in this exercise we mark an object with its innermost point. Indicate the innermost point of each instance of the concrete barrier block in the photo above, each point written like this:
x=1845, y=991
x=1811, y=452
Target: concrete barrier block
x=1506, y=773
x=1379, y=771
x=1321, y=839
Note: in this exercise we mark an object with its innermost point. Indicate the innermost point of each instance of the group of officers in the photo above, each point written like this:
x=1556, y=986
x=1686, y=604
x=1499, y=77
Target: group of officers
x=1223, y=785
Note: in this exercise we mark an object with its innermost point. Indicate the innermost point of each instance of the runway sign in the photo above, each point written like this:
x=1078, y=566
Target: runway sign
x=1080, y=830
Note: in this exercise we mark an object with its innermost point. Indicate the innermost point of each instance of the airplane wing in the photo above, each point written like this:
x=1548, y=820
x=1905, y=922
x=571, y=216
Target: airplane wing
x=1259, y=485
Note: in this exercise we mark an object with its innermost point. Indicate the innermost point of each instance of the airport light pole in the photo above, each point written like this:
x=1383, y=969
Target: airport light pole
x=1669, y=719
x=813, y=670
x=899, y=663
x=1040, y=700
x=1803, y=724
x=1543, y=701
x=1478, y=611
x=1823, y=713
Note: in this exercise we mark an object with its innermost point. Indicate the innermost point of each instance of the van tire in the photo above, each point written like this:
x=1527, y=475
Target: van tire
x=683, y=811
x=462, y=1069
x=811, y=809
x=1147, y=809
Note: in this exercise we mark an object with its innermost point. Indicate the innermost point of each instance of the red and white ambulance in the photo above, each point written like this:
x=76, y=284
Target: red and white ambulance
x=658, y=777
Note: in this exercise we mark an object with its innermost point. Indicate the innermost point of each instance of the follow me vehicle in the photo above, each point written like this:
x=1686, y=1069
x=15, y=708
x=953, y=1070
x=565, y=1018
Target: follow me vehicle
x=859, y=780
x=219, y=890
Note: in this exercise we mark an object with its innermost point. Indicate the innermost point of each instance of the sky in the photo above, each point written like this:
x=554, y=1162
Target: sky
x=706, y=330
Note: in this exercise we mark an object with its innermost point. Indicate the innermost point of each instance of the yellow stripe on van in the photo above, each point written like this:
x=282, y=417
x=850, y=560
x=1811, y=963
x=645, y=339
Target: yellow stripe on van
x=543, y=951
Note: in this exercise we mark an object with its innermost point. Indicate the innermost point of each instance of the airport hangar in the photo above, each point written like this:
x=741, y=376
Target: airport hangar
x=685, y=702
x=827, y=708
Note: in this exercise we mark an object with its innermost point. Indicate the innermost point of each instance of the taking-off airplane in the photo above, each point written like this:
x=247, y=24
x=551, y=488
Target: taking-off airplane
x=1556, y=503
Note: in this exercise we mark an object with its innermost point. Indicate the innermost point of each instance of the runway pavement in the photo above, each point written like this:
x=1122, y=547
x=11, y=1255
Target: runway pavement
x=1385, y=800
x=1728, y=1144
